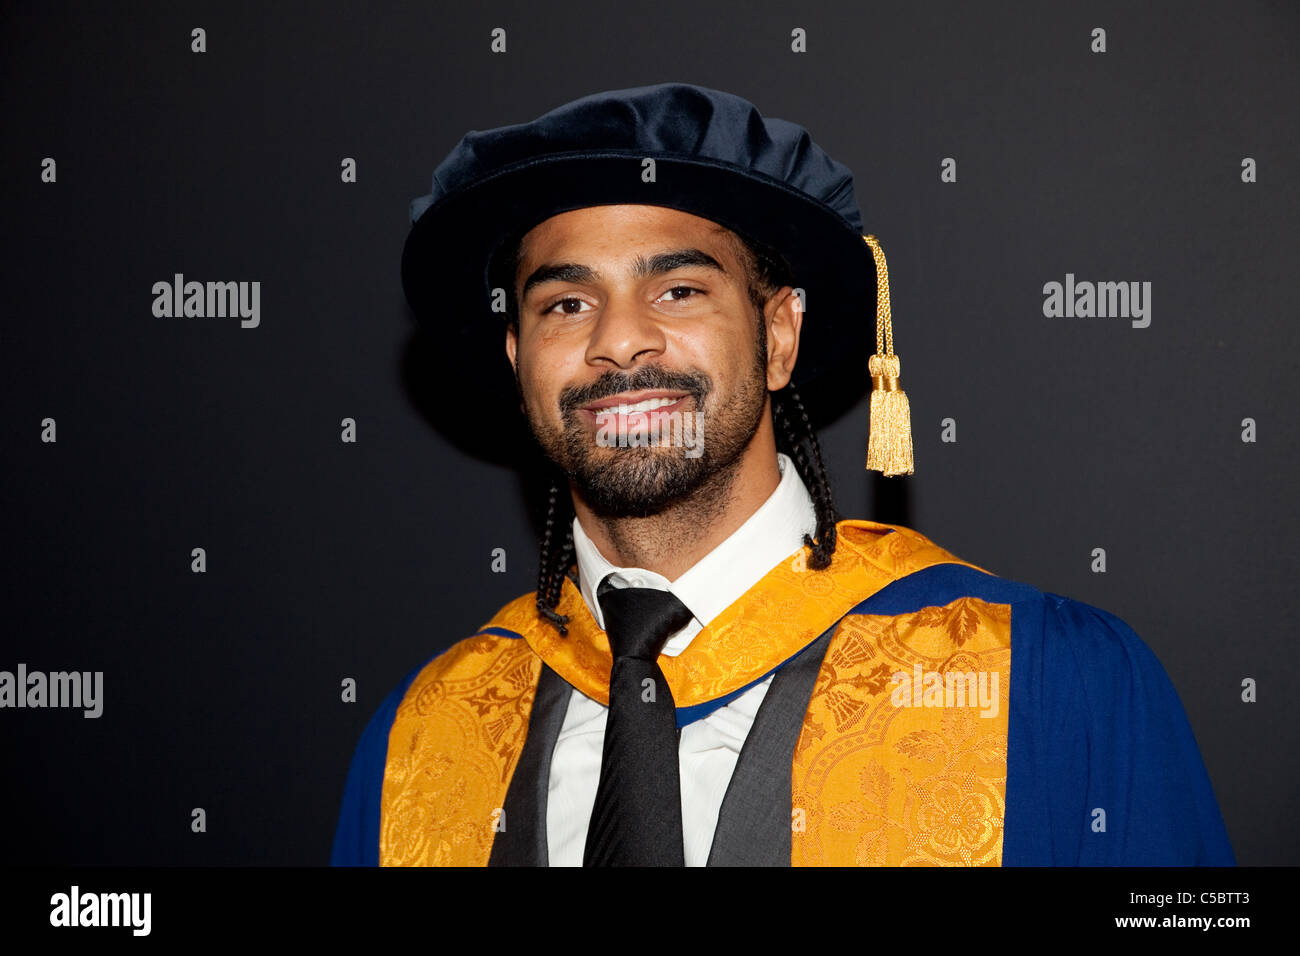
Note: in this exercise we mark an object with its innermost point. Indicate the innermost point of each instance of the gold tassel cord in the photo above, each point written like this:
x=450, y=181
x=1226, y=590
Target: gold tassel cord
x=889, y=439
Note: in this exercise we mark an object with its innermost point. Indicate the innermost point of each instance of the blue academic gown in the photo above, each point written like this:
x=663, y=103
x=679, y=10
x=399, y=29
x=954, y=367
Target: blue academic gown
x=1094, y=725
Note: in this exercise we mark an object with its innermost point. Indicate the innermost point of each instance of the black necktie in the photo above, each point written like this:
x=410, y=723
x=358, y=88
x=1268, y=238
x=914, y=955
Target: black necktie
x=637, y=818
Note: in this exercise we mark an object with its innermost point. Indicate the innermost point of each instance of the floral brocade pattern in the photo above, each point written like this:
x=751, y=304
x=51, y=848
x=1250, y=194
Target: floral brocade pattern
x=452, y=749
x=876, y=783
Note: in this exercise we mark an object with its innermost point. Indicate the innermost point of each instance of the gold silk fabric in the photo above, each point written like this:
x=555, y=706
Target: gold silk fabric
x=454, y=743
x=874, y=783
x=924, y=784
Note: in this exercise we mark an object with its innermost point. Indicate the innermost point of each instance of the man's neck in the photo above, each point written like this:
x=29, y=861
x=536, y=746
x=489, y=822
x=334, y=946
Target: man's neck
x=675, y=539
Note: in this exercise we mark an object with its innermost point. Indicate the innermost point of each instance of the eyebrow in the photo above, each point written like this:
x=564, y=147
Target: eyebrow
x=642, y=268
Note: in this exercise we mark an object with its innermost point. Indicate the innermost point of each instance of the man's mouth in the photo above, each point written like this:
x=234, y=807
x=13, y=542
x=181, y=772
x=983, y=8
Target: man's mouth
x=634, y=405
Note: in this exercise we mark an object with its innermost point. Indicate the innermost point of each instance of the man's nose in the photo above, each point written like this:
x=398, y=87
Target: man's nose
x=625, y=331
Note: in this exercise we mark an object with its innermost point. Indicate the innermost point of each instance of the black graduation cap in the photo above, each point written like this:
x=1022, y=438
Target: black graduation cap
x=715, y=156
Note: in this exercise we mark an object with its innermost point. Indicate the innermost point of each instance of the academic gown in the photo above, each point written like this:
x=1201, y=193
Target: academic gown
x=923, y=711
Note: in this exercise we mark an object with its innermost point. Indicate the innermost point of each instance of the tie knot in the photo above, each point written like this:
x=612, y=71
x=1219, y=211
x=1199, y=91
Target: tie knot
x=639, y=621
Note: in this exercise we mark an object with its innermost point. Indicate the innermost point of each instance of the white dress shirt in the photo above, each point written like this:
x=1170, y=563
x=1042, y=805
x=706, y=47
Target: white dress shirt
x=709, y=747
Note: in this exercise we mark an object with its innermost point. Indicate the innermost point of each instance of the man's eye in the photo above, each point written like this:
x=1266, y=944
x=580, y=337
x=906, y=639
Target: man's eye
x=565, y=302
x=682, y=288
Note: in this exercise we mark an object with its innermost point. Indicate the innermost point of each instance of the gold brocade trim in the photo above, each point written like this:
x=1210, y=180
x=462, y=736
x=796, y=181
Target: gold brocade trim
x=737, y=647
x=879, y=784
x=452, y=749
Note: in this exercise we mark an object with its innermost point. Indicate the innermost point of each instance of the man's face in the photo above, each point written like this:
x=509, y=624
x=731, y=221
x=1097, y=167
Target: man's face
x=647, y=305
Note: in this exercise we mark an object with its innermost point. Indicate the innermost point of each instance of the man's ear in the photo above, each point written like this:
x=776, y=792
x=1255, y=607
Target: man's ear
x=512, y=352
x=512, y=344
x=784, y=320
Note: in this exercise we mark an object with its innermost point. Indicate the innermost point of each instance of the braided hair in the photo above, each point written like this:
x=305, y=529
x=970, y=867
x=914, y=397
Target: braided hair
x=766, y=271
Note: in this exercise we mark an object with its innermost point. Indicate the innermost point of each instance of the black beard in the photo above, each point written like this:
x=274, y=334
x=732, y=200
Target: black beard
x=640, y=481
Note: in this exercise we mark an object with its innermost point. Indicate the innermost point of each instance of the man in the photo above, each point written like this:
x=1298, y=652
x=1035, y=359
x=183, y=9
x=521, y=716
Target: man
x=715, y=668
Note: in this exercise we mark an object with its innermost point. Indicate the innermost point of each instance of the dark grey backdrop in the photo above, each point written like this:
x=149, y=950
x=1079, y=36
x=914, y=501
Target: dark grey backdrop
x=329, y=560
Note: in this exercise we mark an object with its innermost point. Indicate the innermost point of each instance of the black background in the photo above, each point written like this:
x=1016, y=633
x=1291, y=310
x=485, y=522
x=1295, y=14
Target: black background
x=329, y=560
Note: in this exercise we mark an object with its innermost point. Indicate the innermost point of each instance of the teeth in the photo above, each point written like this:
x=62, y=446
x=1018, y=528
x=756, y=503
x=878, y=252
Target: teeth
x=650, y=404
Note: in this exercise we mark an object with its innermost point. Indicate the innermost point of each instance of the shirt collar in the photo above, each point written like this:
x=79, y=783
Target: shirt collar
x=771, y=534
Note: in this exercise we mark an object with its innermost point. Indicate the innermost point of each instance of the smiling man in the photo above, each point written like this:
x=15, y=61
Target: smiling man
x=716, y=668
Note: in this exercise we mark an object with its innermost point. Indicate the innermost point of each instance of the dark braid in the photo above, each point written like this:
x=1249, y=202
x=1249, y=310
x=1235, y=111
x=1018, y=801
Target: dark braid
x=554, y=566
x=767, y=271
x=790, y=439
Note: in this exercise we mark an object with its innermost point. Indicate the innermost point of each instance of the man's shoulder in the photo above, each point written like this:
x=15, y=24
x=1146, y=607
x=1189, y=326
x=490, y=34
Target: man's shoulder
x=924, y=573
x=497, y=646
x=929, y=575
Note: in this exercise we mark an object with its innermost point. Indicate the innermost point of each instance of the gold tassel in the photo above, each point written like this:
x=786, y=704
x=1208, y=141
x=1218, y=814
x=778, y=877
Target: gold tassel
x=889, y=439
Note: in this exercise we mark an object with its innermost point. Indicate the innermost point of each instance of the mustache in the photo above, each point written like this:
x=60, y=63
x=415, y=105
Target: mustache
x=695, y=382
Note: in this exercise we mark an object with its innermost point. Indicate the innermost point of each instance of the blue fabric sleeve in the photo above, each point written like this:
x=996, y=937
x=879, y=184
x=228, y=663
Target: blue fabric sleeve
x=356, y=838
x=1101, y=728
